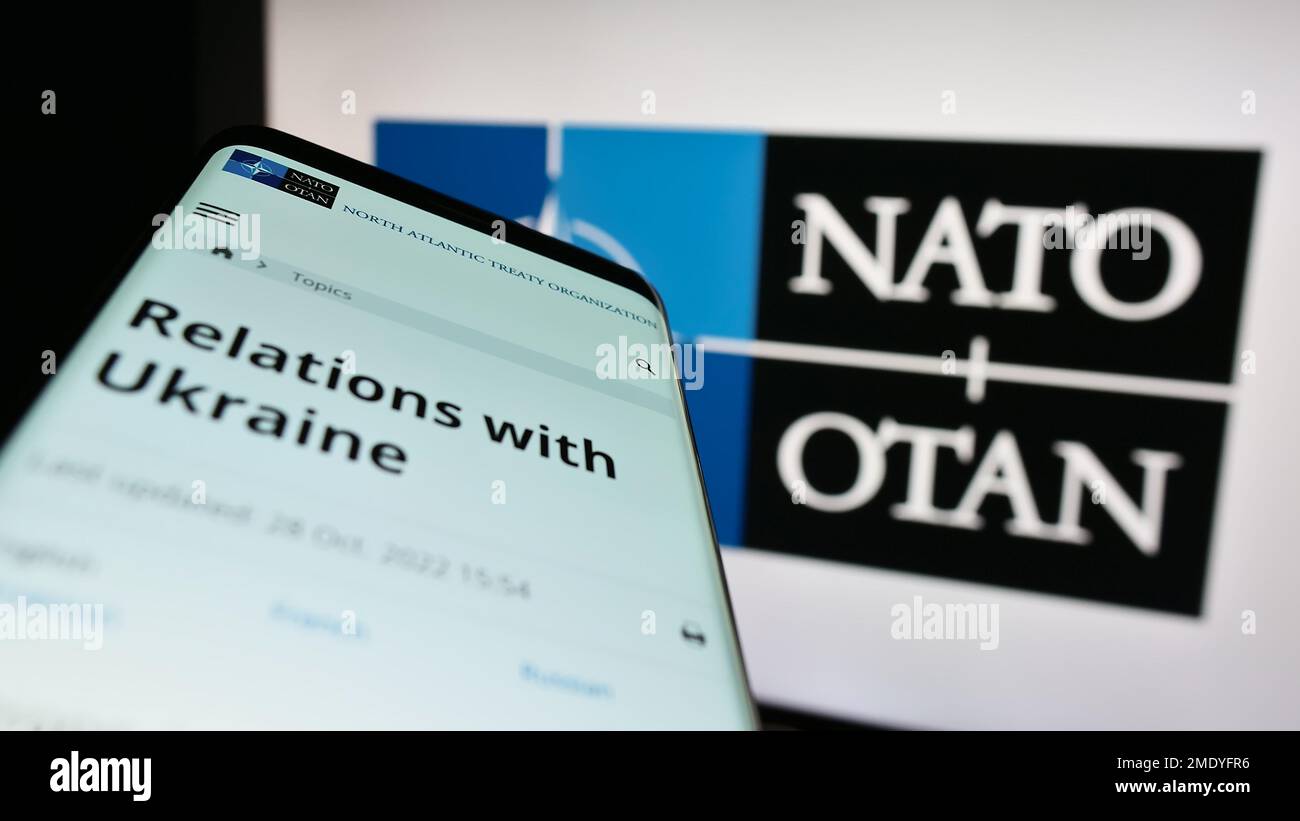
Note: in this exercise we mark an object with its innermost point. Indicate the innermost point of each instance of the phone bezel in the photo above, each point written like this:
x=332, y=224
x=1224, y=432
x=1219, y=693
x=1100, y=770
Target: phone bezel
x=382, y=182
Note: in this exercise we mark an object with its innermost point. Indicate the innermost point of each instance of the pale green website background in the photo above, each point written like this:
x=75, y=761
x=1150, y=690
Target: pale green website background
x=218, y=615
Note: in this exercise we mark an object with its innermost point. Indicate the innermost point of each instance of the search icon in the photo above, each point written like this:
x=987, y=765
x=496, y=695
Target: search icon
x=644, y=365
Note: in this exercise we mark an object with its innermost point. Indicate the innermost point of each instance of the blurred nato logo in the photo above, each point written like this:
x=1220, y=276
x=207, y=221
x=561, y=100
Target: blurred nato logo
x=1009, y=364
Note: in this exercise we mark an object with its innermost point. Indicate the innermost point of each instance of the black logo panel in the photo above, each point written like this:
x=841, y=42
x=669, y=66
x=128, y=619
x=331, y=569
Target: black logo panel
x=1080, y=493
x=903, y=238
x=1012, y=364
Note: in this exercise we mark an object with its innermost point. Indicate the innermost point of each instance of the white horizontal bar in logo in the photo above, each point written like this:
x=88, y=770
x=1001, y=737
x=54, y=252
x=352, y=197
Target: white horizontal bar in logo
x=974, y=368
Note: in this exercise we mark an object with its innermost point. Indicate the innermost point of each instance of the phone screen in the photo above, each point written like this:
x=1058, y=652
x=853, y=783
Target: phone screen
x=325, y=459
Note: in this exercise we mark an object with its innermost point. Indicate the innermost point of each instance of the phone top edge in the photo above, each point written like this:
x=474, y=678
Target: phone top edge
x=428, y=199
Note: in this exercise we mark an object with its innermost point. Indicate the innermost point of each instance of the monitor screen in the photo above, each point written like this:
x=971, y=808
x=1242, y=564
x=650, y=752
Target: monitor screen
x=995, y=418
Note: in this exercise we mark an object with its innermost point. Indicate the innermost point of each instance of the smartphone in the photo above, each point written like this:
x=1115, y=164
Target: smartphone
x=336, y=451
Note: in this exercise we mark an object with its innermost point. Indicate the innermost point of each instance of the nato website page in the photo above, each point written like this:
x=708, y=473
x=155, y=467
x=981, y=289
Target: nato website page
x=358, y=467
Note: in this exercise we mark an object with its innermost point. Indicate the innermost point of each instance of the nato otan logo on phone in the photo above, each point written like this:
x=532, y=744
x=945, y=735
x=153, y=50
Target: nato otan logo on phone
x=282, y=177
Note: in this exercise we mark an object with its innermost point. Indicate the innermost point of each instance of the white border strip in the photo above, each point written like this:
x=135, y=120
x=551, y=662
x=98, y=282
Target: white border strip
x=972, y=369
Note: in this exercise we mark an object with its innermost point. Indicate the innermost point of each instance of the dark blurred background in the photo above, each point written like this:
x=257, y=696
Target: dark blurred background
x=136, y=95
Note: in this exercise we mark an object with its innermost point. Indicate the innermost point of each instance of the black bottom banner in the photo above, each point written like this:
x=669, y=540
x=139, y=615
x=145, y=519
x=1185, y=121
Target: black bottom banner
x=175, y=769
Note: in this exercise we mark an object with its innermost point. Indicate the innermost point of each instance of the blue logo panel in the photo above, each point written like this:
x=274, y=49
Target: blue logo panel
x=686, y=206
x=500, y=168
x=682, y=207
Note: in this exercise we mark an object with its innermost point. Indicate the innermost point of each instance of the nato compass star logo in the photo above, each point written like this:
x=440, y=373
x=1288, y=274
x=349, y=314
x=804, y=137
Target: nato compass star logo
x=300, y=184
x=255, y=168
x=258, y=169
